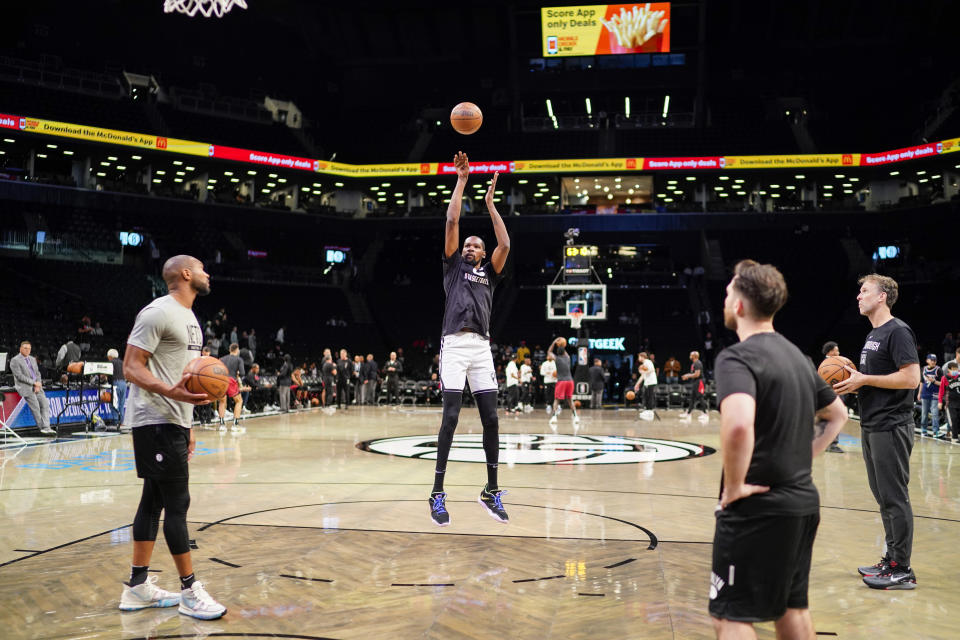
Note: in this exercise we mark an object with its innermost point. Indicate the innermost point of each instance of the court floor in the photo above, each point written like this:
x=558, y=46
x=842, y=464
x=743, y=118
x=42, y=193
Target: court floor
x=317, y=526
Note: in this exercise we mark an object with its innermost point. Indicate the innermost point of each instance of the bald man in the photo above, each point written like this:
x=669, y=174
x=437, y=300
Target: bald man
x=165, y=338
x=465, y=355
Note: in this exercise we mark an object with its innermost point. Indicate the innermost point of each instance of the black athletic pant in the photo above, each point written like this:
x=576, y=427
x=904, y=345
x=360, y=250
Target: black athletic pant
x=343, y=393
x=953, y=413
x=650, y=397
x=696, y=399
x=487, y=406
x=887, y=455
x=527, y=396
x=393, y=390
x=513, y=396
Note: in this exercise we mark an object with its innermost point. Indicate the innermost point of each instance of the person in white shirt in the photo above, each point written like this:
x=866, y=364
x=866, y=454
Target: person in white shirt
x=526, y=383
x=513, y=387
x=548, y=372
x=647, y=379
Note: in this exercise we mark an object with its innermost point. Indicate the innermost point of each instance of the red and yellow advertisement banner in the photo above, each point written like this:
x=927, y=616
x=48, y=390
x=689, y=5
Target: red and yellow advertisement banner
x=605, y=29
x=415, y=169
x=111, y=136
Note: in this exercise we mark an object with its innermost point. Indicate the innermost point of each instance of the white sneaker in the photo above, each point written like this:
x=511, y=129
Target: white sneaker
x=197, y=603
x=549, y=410
x=576, y=419
x=146, y=595
x=704, y=418
x=222, y=427
x=684, y=416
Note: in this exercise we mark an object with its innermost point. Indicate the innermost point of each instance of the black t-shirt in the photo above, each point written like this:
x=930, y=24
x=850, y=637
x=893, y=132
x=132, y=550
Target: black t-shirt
x=596, y=378
x=327, y=369
x=887, y=348
x=234, y=365
x=788, y=393
x=469, y=295
x=698, y=381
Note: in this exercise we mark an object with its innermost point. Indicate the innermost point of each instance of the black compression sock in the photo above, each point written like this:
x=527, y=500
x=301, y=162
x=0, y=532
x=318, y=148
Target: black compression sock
x=186, y=581
x=491, y=478
x=438, y=481
x=138, y=575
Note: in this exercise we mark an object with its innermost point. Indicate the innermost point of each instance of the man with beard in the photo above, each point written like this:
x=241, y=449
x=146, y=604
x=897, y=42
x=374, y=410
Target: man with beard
x=165, y=338
x=465, y=354
x=769, y=508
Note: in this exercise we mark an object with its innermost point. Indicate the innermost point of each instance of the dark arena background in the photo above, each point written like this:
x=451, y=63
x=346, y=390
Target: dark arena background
x=303, y=151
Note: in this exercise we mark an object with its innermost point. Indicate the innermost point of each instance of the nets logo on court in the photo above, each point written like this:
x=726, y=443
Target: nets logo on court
x=535, y=448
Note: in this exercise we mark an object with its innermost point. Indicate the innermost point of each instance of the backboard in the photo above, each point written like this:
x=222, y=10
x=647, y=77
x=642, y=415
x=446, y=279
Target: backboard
x=564, y=299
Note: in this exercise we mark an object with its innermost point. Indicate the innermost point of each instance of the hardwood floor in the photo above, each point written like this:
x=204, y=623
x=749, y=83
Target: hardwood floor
x=302, y=529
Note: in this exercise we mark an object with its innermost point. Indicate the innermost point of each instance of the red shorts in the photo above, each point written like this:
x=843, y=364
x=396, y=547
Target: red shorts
x=233, y=388
x=564, y=390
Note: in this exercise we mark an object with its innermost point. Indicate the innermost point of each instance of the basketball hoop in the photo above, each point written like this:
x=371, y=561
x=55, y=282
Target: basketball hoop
x=575, y=319
x=207, y=8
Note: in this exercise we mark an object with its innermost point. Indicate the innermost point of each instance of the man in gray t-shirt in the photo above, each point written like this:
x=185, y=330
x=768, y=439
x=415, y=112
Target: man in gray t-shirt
x=165, y=338
x=564, y=388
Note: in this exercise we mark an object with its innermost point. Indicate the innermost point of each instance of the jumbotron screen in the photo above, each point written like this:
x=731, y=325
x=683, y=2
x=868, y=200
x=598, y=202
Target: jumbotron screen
x=605, y=29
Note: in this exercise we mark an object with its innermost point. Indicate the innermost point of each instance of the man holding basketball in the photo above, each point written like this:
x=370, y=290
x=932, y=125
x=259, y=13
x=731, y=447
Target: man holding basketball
x=889, y=373
x=465, y=354
x=769, y=508
x=165, y=338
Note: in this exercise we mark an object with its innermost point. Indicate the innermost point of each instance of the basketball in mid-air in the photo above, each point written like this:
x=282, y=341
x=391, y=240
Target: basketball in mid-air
x=630, y=395
x=561, y=342
x=466, y=118
x=209, y=376
x=576, y=403
x=832, y=369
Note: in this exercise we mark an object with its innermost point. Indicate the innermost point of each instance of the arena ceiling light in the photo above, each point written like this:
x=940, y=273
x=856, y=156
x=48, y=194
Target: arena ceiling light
x=838, y=176
x=317, y=193
x=626, y=106
x=103, y=175
x=718, y=188
x=848, y=190
x=421, y=184
x=398, y=195
x=121, y=167
x=189, y=168
x=401, y=201
x=661, y=195
x=67, y=152
x=234, y=179
x=848, y=185
x=933, y=177
x=226, y=173
x=432, y=194
x=136, y=157
x=249, y=173
x=271, y=184
x=177, y=162
x=725, y=195
x=790, y=187
x=212, y=180
x=921, y=173
x=630, y=191
x=923, y=180
x=550, y=109
x=774, y=186
x=381, y=199
x=161, y=173
x=828, y=186
x=896, y=173
x=691, y=178
x=112, y=158
x=799, y=176
x=668, y=199
x=666, y=106
x=589, y=108
x=178, y=179
x=741, y=193
x=51, y=146
x=774, y=195
x=9, y=140
x=384, y=184
x=724, y=177
x=41, y=155
x=671, y=182
x=104, y=163
x=338, y=184
x=181, y=173
x=304, y=188
x=272, y=175
x=854, y=179
x=157, y=180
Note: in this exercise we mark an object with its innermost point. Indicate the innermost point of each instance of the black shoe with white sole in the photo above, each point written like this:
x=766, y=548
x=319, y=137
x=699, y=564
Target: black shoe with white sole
x=438, y=510
x=892, y=577
x=491, y=502
x=875, y=569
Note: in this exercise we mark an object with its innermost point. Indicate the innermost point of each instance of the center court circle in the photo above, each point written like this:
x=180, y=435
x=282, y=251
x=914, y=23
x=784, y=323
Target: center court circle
x=535, y=448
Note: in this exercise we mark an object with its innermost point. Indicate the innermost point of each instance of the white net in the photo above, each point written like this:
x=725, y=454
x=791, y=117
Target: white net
x=206, y=8
x=575, y=320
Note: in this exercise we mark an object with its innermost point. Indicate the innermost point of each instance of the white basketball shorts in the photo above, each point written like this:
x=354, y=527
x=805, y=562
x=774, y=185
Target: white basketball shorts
x=465, y=357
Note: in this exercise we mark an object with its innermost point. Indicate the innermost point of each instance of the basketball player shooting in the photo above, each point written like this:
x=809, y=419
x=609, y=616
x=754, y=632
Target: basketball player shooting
x=465, y=354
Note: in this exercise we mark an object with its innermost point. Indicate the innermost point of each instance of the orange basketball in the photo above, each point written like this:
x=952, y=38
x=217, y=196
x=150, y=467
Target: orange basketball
x=576, y=403
x=832, y=369
x=106, y=397
x=466, y=118
x=630, y=395
x=209, y=376
x=561, y=342
x=314, y=402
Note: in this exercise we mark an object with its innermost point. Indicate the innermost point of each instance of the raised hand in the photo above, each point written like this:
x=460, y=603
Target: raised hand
x=462, y=163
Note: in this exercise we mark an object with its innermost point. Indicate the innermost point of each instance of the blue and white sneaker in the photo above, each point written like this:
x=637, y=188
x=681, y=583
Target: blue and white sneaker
x=438, y=510
x=147, y=595
x=491, y=502
x=197, y=603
